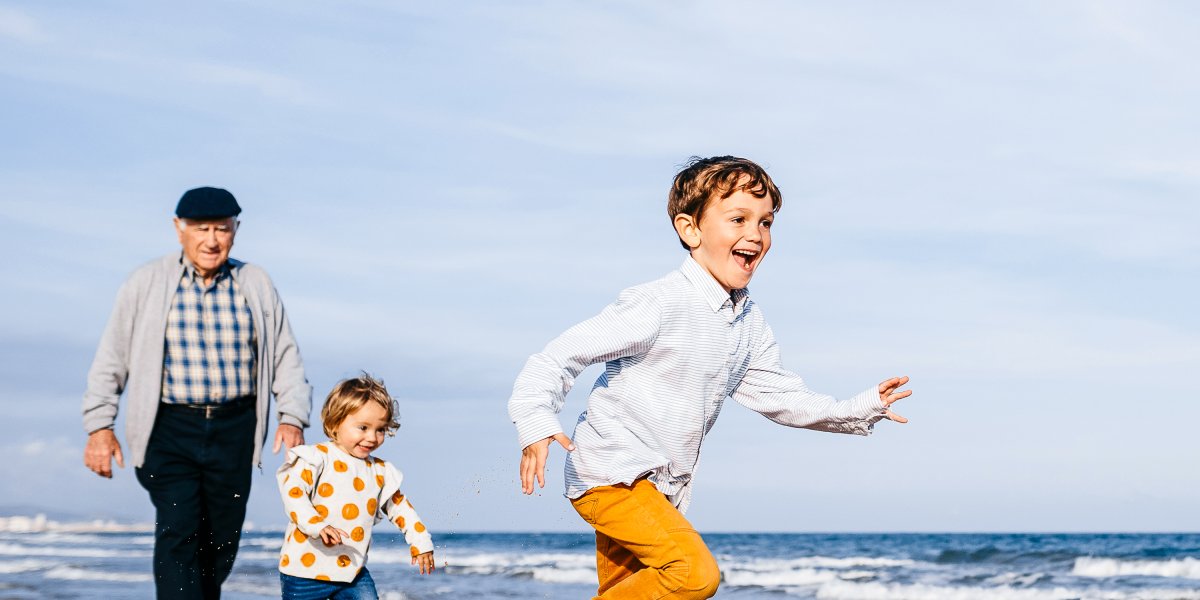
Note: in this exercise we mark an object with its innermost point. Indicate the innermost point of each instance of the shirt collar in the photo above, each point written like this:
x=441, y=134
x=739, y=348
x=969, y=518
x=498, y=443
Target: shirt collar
x=189, y=269
x=713, y=293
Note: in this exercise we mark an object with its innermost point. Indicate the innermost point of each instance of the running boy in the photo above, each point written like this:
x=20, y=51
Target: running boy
x=674, y=349
x=334, y=493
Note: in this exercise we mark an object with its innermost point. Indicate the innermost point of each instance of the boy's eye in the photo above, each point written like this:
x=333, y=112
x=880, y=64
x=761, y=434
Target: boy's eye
x=767, y=223
x=739, y=220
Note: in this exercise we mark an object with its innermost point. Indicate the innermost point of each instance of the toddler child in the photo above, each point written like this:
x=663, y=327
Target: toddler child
x=674, y=349
x=334, y=492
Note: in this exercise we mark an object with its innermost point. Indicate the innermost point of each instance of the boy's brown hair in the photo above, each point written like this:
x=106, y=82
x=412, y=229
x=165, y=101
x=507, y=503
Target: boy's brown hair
x=349, y=395
x=704, y=179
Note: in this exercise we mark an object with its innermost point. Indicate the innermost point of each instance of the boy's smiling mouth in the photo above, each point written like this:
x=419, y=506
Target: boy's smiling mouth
x=746, y=258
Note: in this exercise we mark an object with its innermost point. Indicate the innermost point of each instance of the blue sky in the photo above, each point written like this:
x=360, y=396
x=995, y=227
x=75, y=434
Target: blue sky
x=999, y=200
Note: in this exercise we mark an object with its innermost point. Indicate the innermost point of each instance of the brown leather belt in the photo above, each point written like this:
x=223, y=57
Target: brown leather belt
x=212, y=411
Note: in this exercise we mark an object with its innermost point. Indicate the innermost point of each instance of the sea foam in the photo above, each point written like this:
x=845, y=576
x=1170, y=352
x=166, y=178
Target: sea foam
x=23, y=550
x=1186, y=568
x=75, y=573
x=879, y=591
x=25, y=566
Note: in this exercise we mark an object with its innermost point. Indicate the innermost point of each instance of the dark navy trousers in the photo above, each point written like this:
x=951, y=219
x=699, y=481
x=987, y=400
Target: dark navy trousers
x=197, y=470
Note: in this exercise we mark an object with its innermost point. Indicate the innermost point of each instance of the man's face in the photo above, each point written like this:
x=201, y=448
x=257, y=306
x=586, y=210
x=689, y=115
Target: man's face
x=732, y=238
x=206, y=242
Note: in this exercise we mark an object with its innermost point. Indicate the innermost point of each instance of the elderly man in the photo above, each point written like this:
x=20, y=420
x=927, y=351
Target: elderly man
x=198, y=342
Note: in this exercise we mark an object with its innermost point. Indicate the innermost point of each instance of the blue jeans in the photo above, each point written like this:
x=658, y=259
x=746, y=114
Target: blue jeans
x=300, y=588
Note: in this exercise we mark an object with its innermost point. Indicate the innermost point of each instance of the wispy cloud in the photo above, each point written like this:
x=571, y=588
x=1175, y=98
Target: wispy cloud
x=21, y=27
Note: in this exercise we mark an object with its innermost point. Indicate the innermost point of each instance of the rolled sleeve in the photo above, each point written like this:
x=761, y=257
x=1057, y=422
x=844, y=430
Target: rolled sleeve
x=625, y=328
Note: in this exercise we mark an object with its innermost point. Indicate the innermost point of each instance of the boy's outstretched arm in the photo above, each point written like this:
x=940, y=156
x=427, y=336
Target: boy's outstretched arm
x=889, y=393
x=625, y=328
x=783, y=397
x=533, y=460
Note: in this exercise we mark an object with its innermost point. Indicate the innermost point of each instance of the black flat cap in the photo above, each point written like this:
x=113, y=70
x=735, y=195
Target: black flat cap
x=207, y=203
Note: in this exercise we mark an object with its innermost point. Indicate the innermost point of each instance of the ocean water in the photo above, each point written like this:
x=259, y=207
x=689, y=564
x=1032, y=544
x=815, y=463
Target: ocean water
x=779, y=566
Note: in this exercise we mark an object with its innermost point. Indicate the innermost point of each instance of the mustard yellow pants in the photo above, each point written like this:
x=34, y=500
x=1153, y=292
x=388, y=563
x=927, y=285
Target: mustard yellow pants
x=645, y=549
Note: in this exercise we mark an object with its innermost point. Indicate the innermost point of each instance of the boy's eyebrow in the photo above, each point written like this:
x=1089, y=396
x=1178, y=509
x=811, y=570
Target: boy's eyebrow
x=741, y=209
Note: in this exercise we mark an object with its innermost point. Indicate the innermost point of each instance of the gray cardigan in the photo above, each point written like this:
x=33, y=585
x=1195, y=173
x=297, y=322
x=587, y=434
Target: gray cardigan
x=130, y=356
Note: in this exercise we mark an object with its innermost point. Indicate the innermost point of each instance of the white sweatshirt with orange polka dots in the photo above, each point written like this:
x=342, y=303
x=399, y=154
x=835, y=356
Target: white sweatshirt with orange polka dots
x=323, y=485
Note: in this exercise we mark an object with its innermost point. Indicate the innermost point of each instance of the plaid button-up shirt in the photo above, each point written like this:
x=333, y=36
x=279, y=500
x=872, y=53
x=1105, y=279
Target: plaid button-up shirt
x=209, y=350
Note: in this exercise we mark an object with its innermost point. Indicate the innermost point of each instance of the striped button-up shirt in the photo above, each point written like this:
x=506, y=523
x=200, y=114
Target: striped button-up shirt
x=209, y=351
x=674, y=349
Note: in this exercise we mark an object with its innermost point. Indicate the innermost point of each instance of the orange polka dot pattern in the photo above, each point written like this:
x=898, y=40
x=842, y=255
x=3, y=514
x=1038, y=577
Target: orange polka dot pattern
x=321, y=485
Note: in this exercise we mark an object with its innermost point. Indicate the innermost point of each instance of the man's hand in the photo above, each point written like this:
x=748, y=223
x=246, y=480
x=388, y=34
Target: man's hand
x=889, y=392
x=533, y=460
x=102, y=447
x=424, y=561
x=288, y=436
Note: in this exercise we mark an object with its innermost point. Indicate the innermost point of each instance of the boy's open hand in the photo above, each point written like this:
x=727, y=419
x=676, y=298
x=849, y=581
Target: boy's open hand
x=533, y=460
x=424, y=561
x=332, y=536
x=889, y=392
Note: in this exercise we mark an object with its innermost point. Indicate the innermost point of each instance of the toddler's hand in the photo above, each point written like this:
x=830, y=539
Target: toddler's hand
x=332, y=536
x=424, y=562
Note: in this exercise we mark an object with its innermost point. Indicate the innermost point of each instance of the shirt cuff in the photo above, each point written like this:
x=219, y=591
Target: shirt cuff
x=868, y=403
x=537, y=427
x=867, y=409
x=285, y=419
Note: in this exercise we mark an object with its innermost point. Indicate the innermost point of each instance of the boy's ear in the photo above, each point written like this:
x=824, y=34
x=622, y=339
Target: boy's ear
x=688, y=230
